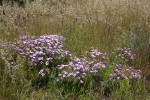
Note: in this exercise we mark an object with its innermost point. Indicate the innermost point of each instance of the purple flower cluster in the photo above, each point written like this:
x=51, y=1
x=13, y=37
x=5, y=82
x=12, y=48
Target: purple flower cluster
x=80, y=68
x=44, y=72
x=134, y=73
x=125, y=54
x=48, y=49
x=41, y=50
x=122, y=73
x=97, y=54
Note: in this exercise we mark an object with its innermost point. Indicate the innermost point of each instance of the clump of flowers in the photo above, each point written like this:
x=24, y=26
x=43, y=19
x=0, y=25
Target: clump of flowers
x=42, y=54
x=95, y=54
x=79, y=68
x=44, y=72
x=47, y=55
x=124, y=54
x=134, y=73
x=41, y=50
x=121, y=73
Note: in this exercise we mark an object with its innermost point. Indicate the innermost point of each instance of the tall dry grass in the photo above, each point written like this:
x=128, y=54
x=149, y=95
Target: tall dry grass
x=99, y=23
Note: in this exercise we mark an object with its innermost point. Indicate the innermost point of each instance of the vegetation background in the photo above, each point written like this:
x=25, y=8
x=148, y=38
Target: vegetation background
x=102, y=24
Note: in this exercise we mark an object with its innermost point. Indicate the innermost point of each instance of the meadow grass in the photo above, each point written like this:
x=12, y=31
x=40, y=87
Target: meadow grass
x=101, y=24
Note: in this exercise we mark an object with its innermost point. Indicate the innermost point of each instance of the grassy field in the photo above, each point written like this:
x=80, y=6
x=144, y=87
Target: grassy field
x=103, y=25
